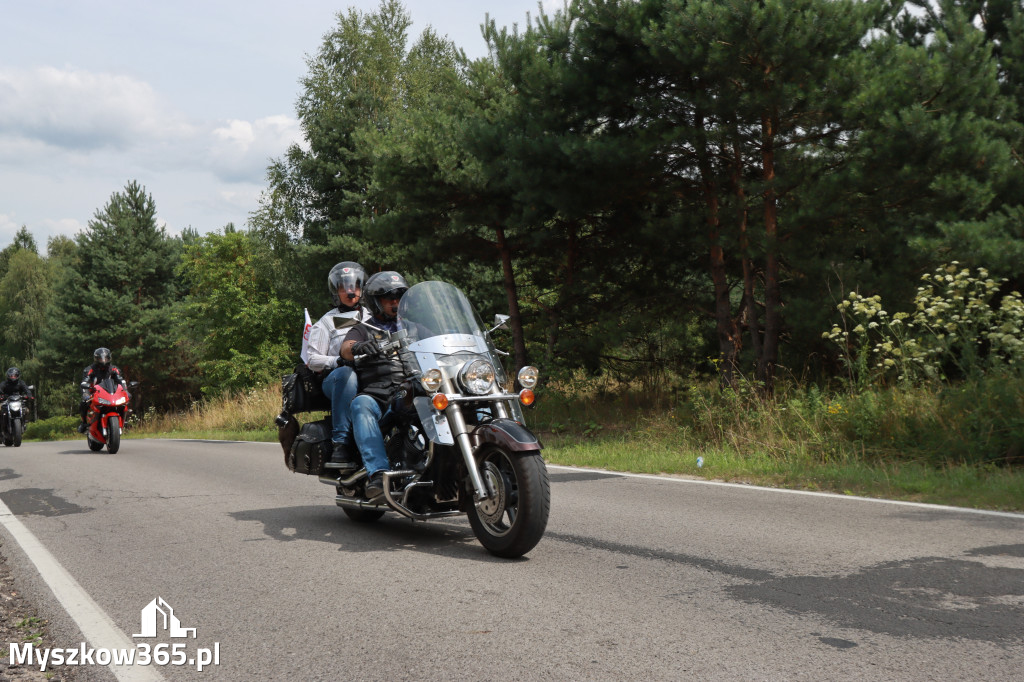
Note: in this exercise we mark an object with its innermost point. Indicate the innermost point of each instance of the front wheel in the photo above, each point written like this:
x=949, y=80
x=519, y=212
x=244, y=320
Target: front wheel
x=16, y=432
x=113, y=434
x=512, y=521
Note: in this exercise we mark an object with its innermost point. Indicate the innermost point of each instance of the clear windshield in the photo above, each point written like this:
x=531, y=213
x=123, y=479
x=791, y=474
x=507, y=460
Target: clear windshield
x=432, y=309
x=444, y=332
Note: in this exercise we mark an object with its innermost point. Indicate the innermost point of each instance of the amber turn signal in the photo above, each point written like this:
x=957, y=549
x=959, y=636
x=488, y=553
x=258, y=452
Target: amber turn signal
x=439, y=401
x=526, y=397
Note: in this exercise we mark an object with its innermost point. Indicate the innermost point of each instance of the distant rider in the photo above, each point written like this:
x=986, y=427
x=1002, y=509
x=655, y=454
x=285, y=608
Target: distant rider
x=13, y=385
x=345, y=282
x=100, y=369
x=380, y=374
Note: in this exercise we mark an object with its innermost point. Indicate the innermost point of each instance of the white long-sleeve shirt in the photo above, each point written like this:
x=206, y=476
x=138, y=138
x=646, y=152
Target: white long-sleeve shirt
x=325, y=338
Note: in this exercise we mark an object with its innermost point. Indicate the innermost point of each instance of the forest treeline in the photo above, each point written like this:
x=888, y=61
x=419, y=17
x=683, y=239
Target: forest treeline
x=652, y=189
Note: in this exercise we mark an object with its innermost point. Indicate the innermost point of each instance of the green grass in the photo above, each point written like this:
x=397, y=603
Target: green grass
x=956, y=446
x=960, y=485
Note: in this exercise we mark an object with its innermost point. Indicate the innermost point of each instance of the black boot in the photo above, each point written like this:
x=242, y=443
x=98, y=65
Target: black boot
x=341, y=459
x=81, y=427
x=375, y=485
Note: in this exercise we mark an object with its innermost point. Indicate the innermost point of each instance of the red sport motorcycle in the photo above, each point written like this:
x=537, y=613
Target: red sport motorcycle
x=108, y=409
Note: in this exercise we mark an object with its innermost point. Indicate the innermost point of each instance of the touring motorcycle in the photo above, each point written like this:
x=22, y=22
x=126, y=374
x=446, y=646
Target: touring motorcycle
x=108, y=409
x=454, y=431
x=13, y=418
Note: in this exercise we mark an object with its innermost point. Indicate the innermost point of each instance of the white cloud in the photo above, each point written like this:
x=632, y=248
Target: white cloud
x=8, y=228
x=241, y=150
x=78, y=110
x=50, y=228
x=70, y=138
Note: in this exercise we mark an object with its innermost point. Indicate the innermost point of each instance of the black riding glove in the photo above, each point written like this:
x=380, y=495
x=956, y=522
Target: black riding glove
x=368, y=347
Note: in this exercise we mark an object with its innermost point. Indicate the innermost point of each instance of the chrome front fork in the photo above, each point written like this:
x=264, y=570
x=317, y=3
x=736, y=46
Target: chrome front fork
x=461, y=433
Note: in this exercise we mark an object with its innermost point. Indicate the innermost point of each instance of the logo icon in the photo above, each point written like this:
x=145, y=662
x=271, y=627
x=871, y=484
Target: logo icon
x=158, y=614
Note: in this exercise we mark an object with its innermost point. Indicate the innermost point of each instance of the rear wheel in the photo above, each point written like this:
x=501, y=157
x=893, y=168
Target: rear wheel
x=512, y=521
x=95, y=445
x=16, y=432
x=113, y=434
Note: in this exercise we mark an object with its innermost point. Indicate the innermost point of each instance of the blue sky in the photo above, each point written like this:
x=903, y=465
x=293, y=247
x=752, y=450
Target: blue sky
x=191, y=98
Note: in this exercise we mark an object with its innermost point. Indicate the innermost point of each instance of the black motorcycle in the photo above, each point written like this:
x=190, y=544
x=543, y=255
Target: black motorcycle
x=456, y=438
x=13, y=415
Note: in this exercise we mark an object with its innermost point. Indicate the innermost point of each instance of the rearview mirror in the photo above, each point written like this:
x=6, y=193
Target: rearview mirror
x=500, y=321
x=344, y=322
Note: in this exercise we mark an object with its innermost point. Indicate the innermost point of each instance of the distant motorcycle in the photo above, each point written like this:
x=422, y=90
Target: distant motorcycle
x=108, y=409
x=12, y=418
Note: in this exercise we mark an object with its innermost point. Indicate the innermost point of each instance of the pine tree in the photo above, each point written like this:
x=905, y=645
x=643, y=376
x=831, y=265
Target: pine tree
x=121, y=294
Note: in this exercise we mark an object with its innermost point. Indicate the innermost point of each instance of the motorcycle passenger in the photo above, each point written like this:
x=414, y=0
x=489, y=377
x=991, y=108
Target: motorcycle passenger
x=345, y=282
x=100, y=369
x=13, y=385
x=379, y=373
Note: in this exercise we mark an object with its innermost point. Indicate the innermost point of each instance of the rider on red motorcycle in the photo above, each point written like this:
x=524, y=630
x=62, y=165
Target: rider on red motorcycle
x=99, y=370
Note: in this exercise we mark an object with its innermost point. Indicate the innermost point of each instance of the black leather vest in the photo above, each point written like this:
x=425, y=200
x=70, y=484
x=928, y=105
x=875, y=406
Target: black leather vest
x=379, y=376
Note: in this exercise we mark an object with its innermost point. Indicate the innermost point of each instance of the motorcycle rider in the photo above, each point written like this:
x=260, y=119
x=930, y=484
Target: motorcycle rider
x=345, y=282
x=14, y=385
x=100, y=369
x=379, y=373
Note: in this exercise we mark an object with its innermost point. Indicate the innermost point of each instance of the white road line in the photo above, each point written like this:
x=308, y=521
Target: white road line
x=97, y=627
x=744, y=486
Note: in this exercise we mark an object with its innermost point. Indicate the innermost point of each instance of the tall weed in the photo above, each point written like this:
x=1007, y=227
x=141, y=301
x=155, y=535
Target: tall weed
x=246, y=411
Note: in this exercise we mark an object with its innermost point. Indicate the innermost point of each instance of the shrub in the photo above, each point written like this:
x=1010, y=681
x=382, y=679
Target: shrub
x=53, y=428
x=954, y=326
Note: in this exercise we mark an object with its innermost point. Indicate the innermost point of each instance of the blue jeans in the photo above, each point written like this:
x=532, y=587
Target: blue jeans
x=366, y=424
x=341, y=387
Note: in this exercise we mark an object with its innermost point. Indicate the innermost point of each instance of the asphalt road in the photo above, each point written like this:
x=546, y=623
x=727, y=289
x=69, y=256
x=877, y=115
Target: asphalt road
x=636, y=578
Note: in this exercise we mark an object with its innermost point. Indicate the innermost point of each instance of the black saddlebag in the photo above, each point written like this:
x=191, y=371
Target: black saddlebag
x=312, y=448
x=302, y=391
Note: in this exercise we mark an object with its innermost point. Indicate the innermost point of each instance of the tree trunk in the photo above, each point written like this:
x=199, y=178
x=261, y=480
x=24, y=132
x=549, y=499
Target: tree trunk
x=750, y=310
x=725, y=327
x=728, y=341
x=515, y=318
x=564, y=293
x=772, y=316
x=749, y=304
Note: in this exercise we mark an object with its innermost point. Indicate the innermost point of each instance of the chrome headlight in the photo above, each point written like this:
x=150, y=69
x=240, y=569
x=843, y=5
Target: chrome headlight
x=15, y=404
x=431, y=380
x=104, y=401
x=477, y=377
x=528, y=376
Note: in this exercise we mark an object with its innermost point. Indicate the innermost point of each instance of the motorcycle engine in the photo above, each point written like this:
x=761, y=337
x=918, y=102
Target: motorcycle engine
x=414, y=448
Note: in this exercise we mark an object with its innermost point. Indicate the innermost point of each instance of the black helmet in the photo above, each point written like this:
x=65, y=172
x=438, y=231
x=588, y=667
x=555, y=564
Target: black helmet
x=14, y=374
x=102, y=356
x=348, y=276
x=387, y=284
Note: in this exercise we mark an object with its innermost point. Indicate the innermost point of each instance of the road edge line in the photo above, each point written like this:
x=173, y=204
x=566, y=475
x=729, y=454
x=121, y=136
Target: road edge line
x=96, y=626
x=812, y=493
